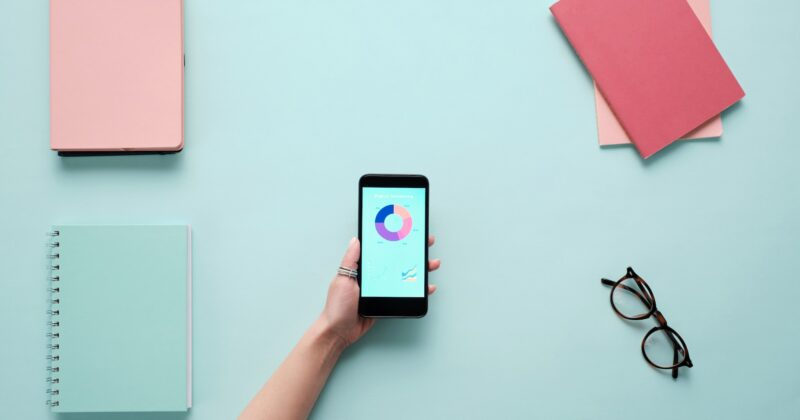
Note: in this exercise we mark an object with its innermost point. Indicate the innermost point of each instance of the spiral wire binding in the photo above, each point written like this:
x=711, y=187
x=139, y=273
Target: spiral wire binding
x=53, y=322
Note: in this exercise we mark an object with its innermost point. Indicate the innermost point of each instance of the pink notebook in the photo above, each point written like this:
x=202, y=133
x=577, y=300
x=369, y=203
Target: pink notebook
x=609, y=129
x=116, y=75
x=653, y=62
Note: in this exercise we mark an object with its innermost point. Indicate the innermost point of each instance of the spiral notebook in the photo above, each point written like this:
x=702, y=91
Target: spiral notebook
x=120, y=319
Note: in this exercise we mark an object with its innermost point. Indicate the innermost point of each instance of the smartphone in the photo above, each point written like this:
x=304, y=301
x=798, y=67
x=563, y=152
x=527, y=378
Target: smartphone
x=393, y=230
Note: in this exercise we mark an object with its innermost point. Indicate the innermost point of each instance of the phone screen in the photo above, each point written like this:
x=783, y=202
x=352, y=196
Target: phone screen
x=393, y=242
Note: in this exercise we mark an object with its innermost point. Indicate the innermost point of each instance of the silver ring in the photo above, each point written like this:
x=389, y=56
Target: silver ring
x=347, y=272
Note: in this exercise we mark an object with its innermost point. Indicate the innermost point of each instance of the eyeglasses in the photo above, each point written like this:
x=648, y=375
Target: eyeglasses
x=662, y=347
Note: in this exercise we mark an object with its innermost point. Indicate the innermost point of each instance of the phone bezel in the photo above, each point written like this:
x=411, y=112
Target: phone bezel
x=393, y=307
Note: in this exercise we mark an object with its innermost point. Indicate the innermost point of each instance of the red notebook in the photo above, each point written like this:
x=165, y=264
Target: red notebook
x=654, y=63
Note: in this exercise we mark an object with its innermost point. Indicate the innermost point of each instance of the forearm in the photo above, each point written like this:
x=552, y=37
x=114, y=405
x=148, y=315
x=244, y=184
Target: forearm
x=295, y=386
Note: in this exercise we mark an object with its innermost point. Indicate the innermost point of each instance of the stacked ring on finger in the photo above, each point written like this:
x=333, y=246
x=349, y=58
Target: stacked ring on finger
x=347, y=272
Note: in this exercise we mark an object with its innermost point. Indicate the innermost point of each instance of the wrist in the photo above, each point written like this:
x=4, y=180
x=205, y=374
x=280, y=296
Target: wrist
x=325, y=335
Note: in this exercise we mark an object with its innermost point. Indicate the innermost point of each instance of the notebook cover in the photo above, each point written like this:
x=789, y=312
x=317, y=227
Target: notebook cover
x=124, y=332
x=609, y=129
x=116, y=75
x=654, y=64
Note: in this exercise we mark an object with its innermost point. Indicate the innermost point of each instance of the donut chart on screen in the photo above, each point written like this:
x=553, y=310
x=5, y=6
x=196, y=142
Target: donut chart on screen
x=385, y=212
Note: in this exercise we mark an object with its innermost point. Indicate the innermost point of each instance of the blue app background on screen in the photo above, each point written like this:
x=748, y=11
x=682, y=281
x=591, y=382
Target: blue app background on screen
x=393, y=242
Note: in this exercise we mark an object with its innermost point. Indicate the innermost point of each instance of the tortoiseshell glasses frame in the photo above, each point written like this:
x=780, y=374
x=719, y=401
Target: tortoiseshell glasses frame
x=645, y=295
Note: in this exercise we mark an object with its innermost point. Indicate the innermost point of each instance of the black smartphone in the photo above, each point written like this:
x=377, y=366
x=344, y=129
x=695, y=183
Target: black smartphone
x=393, y=230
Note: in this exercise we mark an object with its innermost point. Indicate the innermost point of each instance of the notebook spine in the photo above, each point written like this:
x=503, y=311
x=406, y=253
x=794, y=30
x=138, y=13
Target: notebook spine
x=53, y=318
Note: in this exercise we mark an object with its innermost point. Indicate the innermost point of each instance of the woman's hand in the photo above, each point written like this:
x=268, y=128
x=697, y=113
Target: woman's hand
x=292, y=390
x=340, y=315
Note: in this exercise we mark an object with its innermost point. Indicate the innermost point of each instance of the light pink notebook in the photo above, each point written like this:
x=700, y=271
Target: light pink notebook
x=116, y=75
x=609, y=129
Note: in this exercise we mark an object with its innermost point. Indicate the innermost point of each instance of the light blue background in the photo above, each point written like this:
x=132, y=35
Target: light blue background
x=288, y=102
x=382, y=261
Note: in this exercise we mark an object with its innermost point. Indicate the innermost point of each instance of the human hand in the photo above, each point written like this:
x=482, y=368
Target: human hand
x=341, y=308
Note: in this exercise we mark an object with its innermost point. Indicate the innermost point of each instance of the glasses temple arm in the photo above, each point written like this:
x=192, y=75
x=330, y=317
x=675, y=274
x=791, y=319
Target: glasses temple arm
x=674, y=359
x=675, y=346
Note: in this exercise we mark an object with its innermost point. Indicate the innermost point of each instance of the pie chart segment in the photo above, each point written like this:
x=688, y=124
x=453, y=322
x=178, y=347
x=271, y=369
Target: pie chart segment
x=380, y=222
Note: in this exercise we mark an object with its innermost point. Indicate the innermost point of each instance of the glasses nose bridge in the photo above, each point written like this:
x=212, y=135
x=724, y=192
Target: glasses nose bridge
x=660, y=318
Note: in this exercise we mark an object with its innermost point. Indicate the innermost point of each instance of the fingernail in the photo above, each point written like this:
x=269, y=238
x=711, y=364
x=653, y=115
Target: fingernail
x=352, y=240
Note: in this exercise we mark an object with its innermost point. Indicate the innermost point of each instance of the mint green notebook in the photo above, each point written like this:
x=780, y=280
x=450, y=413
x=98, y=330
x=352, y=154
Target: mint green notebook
x=120, y=319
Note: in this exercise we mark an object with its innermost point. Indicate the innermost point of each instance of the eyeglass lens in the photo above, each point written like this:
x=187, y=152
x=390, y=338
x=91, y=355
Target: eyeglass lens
x=664, y=349
x=630, y=299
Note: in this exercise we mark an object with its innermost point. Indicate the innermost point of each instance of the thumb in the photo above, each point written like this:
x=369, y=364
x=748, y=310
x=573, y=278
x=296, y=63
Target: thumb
x=350, y=259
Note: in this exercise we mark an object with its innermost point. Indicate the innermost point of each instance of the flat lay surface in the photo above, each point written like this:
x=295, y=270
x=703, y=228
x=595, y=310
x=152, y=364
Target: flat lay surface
x=287, y=104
